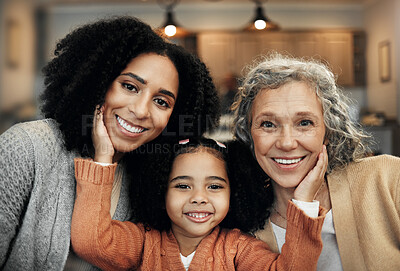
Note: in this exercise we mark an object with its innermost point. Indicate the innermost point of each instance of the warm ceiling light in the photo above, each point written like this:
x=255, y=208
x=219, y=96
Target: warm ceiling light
x=260, y=21
x=170, y=28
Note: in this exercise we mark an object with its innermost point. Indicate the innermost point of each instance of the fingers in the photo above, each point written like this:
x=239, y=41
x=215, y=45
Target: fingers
x=104, y=150
x=318, y=172
x=98, y=123
x=309, y=186
x=98, y=115
x=322, y=163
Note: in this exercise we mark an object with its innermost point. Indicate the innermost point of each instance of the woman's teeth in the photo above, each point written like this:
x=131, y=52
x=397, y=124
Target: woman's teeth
x=287, y=161
x=128, y=127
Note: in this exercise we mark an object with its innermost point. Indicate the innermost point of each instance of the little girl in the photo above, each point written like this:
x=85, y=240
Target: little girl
x=197, y=199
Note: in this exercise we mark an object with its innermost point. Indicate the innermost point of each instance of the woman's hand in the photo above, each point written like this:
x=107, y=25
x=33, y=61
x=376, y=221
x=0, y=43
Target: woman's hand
x=309, y=186
x=104, y=150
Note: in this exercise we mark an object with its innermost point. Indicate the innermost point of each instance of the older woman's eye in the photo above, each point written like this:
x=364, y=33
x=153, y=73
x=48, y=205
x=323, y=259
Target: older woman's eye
x=267, y=124
x=306, y=123
x=129, y=87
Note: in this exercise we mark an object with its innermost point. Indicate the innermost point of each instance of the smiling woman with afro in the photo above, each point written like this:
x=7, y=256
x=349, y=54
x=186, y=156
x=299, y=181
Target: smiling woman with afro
x=37, y=181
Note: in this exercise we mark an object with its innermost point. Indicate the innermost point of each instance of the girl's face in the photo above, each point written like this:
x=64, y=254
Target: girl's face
x=140, y=101
x=197, y=198
x=288, y=132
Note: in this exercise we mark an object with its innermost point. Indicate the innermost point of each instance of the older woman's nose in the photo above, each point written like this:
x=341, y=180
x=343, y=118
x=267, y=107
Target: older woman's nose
x=287, y=140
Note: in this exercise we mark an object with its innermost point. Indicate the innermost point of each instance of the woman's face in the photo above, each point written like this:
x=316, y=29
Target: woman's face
x=288, y=132
x=140, y=101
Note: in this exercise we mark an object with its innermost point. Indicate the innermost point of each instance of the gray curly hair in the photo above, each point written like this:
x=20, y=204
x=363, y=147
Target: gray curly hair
x=347, y=140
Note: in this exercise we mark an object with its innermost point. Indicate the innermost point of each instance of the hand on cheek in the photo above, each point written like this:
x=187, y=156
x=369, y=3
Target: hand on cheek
x=104, y=150
x=309, y=186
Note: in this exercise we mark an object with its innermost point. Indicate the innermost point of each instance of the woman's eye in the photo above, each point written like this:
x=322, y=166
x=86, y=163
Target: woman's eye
x=161, y=102
x=306, y=123
x=267, y=124
x=129, y=87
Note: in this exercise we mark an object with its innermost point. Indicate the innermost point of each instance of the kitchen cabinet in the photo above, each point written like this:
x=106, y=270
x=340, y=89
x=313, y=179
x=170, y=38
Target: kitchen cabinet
x=226, y=52
x=218, y=51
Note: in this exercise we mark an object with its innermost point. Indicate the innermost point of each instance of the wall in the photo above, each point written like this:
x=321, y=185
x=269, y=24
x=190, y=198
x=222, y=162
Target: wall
x=381, y=25
x=397, y=60
x=16, y=85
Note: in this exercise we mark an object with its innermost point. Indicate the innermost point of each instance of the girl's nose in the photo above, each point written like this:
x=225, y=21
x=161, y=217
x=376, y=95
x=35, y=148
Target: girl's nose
x=199, y=197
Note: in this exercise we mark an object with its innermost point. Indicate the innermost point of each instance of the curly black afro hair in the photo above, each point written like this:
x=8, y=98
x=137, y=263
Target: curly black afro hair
x=88, y=60
x=250, y=195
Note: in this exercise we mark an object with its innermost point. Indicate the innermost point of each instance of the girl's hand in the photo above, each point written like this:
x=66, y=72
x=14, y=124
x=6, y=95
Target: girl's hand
x=309, y=186
x=104, y=150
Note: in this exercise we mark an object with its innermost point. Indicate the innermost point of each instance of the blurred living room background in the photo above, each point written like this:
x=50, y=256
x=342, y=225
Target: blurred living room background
x=359, y=39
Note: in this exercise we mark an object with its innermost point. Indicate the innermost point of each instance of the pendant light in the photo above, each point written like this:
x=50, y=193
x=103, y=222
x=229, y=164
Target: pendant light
x=170, y=28
x=260, y=20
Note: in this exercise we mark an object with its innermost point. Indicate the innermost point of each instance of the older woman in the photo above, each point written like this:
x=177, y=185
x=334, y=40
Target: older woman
x=286, y=111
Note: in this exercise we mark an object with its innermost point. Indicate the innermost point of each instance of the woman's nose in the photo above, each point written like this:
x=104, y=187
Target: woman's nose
x=287, y=139
x=140, y=106
x=199, y=196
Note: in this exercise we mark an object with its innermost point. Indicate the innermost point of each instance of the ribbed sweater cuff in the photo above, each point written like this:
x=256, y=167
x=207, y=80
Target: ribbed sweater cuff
x=298, y=218
x=88, y=171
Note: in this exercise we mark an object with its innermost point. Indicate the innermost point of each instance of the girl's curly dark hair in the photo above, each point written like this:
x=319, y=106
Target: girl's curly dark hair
x=250, y=197
x=88, y=60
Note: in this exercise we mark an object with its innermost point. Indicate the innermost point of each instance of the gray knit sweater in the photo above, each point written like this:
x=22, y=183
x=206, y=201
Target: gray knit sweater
x=37, y=193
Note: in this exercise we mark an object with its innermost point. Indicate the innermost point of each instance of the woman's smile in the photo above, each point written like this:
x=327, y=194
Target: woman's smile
x=288, y=163
x=129, y=127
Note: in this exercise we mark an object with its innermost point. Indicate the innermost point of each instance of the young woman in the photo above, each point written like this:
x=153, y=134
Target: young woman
x=150, y=91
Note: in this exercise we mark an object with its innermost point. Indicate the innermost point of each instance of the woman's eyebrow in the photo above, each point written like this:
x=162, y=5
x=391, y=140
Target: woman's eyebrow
x=306, y=114
x=134, y=76
x=168, y=93
x=141, y=80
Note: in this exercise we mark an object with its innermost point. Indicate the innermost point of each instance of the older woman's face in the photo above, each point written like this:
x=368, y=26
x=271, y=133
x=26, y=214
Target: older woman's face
x=288, y=132
x=140, y=101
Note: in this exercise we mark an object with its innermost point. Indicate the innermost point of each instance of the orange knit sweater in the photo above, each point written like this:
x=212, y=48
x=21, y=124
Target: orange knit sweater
x=116, y=245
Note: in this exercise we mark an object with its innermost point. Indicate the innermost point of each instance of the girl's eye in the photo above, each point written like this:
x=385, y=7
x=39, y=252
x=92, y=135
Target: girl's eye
x=161, y=102
x=129, y=87
x=215, y=187
x=306, y=123
x=267, y=124
x=182, y=186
